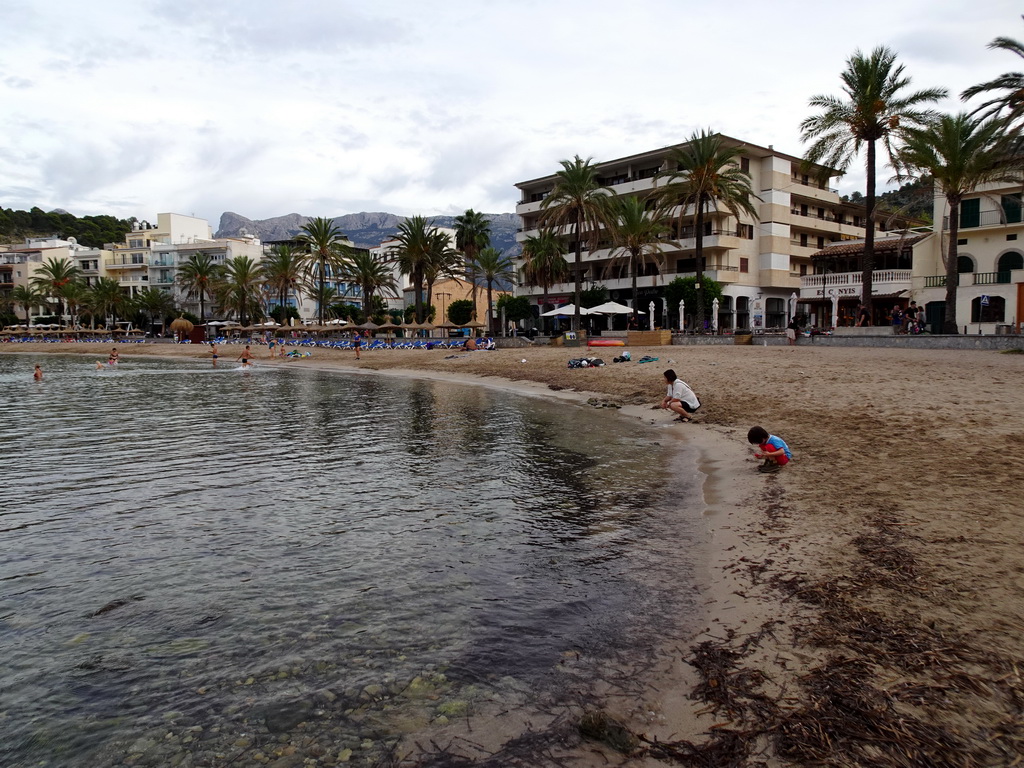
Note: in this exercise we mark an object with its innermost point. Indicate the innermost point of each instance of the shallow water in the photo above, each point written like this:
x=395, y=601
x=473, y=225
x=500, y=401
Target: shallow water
x=196, y=560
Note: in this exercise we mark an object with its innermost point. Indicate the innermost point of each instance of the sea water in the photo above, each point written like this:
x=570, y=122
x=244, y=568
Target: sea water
x=202, y=564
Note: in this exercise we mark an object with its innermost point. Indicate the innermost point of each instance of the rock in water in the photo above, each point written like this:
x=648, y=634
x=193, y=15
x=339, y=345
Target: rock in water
x=600, y=726
x=283, y=716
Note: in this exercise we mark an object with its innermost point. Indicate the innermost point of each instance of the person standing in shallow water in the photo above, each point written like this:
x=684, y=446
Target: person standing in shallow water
x=213, y=353
x=37, y=374
x=245, y=357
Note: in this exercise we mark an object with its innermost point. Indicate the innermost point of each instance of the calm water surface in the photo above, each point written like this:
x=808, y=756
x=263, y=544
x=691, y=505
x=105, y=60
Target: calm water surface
x=194, y=560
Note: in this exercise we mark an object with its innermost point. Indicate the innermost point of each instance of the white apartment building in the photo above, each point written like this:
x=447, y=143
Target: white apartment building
x=990, y=261
x=20, y=263
x=760, y=262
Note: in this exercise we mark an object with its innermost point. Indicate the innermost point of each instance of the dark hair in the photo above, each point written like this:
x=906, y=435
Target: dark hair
x=670, y=375
x=757, y=435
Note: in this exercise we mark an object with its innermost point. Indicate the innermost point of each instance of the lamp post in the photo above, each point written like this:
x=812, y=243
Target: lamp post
x=714, y=315
x=682, y=315
x=650, y=311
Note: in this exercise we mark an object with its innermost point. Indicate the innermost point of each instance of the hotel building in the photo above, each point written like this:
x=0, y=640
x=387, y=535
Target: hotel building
x=761, y=263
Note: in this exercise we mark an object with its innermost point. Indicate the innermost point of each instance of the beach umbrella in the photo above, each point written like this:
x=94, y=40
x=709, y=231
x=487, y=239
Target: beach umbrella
x=568, y=309
x=369, y=325
x=611, y=308
x=181, y=327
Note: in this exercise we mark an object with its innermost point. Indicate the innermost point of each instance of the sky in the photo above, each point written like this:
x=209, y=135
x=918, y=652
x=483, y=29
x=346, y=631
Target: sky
x=328, y=107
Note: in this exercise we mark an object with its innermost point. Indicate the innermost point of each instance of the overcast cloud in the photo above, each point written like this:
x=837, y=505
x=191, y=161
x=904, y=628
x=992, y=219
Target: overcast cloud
x=329, y=107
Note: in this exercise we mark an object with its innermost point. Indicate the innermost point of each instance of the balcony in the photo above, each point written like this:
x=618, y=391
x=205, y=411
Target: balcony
x=124, y=263
x=997, y=218
x=808, y=181
x=850, y=284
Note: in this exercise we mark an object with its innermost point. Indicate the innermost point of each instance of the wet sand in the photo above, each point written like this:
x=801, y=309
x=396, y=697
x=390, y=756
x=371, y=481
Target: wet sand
x=866, y=604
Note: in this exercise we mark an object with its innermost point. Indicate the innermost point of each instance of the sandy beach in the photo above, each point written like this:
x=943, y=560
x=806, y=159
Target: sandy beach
x=865, y=606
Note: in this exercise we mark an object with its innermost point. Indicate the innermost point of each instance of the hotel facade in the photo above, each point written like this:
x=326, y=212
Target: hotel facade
x=764, y=264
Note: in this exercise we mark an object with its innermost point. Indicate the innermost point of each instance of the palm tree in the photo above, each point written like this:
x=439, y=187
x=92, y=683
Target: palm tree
x=961, y=153
x=876, y=107
x=708, y=175
x=442, y=261
x=325, y=248
x=154, y=303
x=415, y=240
x=26, y=297
x=543, y=262
x=638, y=236
x=578, y=200
x=238, y=288
x=1009, y=86
x=197, y=276
x=107, y=300
x=372, y=275
x=326, y=296
x=494, y=265
x=283, y=272
x=52, y=277
x=472, y=235
x=76, y=295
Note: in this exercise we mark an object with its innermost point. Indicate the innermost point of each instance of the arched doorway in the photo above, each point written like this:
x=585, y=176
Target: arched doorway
x=1008, y=262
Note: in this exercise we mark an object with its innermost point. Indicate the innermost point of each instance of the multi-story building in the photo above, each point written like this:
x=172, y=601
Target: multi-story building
x=19, y=264
x=759, y=262
x=131, y=261
x=303, y=301
x=990, y=261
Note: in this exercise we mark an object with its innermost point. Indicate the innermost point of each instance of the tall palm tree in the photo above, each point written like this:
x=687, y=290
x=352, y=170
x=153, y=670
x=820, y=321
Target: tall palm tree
x=372, y=275
x=76, y=296
x=326, y=296
x=472, y=235
x=415, y=240
x=107, y=300
x=578, y=201
x=961, y=153
x=638, y=236
x=282, y=271
x=155, y=303
x=52, y=277
x=197, y=276
x=1008, y=87
x=876, y=107
x=543, y=262
x=442, y=261
x=708, y=175
x=325, y=248
x=237, y=288
x=26, y=297
x=494, y=265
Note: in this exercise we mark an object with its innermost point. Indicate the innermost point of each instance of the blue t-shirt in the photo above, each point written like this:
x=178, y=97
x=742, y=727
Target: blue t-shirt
x=778, y=442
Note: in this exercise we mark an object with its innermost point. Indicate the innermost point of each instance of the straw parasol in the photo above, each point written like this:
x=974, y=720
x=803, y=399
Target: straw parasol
x=369, y=325
x=181, y=327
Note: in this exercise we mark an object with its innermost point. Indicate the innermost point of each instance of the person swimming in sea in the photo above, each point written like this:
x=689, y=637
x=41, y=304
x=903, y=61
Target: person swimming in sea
x=37, y=374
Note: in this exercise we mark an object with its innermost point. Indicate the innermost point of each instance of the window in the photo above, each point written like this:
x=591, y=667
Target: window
x=964, y=264
x=821, y=243
x=803, y=270
x=970, y=213
x=745, y=164
x=138, y=258
x=134, y=243
x=988, y=309
x=746, y=231
x=1011, y=208
x=962, y=241
x=803, y=240
x=1007, y=263
x=1011, y=237
x=744, y=264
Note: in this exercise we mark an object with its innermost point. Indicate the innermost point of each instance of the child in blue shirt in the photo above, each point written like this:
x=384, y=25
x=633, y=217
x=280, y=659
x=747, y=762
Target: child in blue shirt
x=773, y=449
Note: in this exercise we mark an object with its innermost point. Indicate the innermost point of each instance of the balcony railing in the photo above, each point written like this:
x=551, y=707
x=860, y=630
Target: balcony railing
x=809, y=182
x=985, y=219
x=991, y=278
x=125, y=263
x=935, y=281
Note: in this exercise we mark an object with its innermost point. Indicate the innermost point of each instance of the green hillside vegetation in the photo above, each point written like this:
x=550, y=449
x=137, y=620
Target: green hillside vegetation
x=911, y=199
x=91, y=231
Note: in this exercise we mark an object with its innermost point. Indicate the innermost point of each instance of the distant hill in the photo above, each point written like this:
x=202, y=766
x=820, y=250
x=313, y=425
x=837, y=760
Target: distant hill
x=367, y=230
x=91, y=231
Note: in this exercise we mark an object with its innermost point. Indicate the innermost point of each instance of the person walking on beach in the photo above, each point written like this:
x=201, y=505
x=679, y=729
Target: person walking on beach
x=679, y=398
x=357, y=342
x=270, y=347
x=772, y=449
x=37, y=374
x=910, y=318
x=791, y=331
x=245, y=357
x=213, y=353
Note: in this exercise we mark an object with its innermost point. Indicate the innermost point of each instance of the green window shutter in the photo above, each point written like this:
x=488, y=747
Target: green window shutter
x=1011, y=208
x=970, y=213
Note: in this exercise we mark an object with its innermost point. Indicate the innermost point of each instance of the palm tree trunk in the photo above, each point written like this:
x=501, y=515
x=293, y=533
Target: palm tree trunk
x=636, y=299
x=949, y=325
x=868, y=263
x=323, y=275
x=543, y=303
x=579, y=276
x=698, y=231
x=471, y=274
x=490, y=311
x=417, y=288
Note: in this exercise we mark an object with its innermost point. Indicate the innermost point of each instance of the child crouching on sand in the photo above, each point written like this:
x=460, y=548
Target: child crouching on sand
x=773, y=449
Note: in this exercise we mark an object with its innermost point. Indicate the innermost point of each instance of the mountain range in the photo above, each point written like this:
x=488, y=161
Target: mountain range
x=366, y=230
